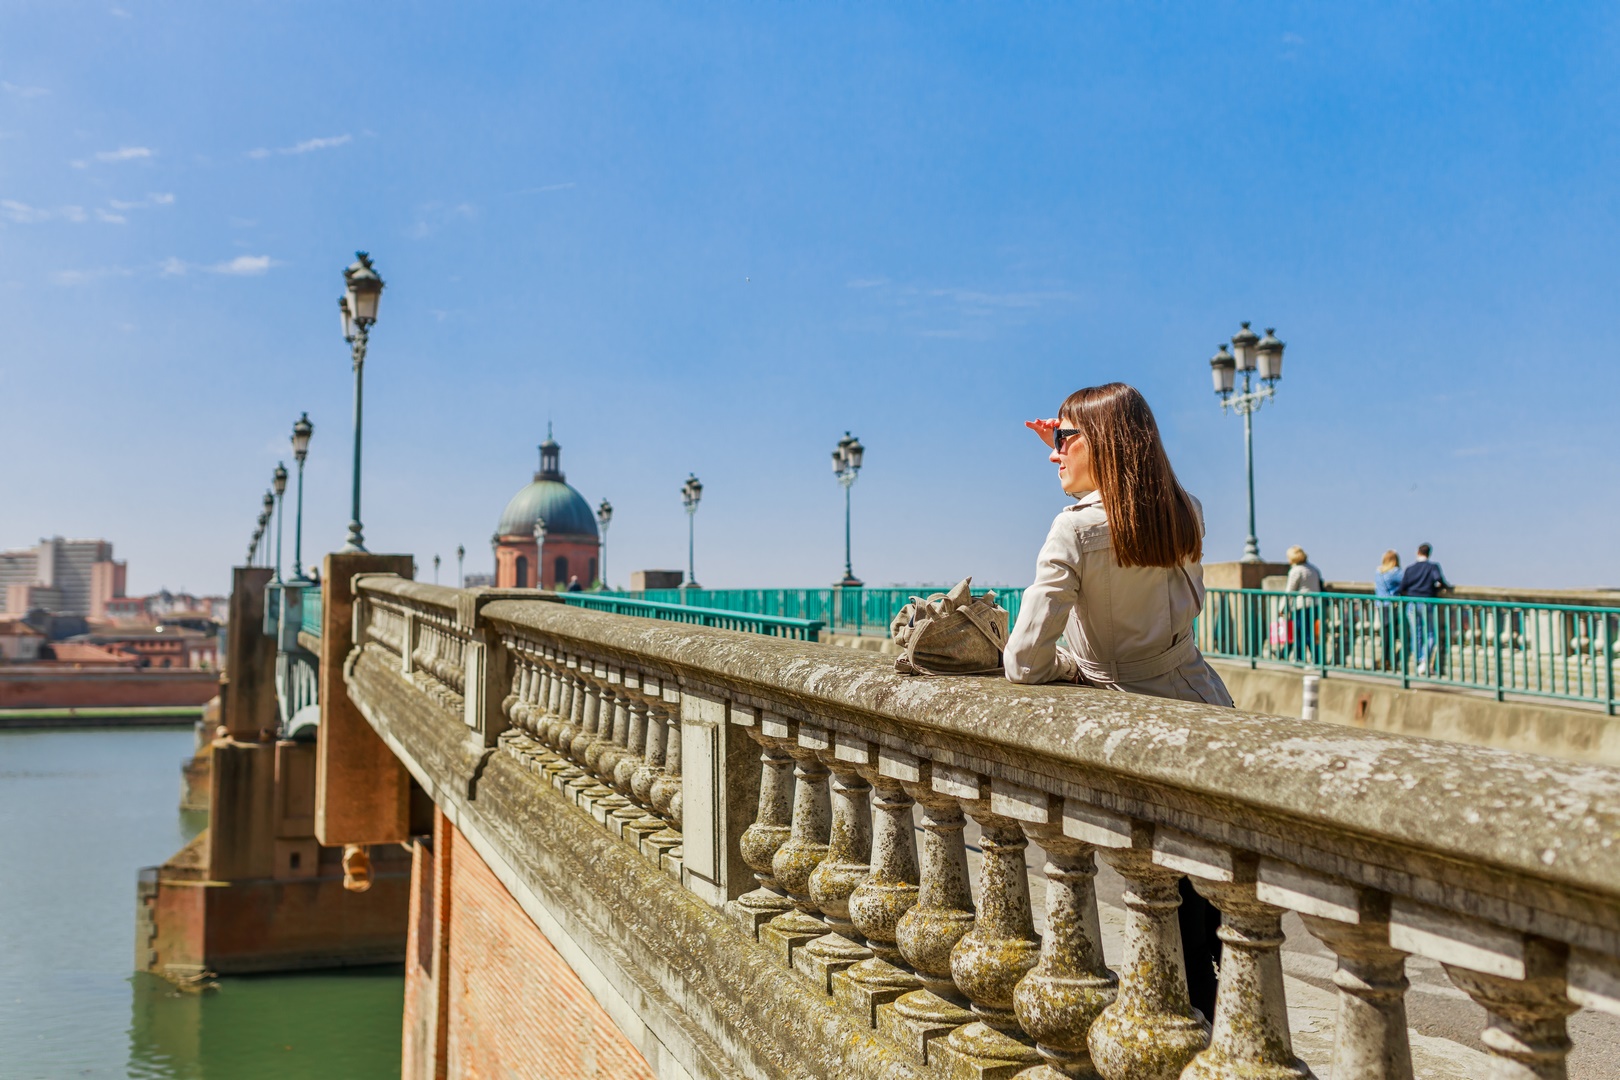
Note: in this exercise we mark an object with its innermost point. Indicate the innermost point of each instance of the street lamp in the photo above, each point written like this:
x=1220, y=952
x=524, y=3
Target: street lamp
x=435, y=569
x=846, y=463
x=539, y=555
x=302, y=430
x=264, y=519
x=691, y=493
x=358, y=307
x=461, y=556
x=604, y=514
x=279, y=482
x=1249, y=352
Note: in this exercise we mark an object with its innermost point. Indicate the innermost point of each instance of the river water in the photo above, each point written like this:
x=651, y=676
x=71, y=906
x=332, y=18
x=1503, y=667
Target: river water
x=80, y=813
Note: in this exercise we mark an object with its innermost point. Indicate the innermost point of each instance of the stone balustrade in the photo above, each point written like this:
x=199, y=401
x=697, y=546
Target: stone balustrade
x=778, y=783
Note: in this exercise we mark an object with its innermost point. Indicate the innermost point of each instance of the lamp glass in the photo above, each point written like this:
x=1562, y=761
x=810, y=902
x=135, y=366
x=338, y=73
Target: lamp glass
x=855, y=451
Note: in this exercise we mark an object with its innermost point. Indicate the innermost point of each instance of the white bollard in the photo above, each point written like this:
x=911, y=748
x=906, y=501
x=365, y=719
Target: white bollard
x=1312, y=691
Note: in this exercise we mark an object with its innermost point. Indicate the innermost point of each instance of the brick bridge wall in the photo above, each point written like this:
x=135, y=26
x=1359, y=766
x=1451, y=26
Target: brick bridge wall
x=486, y=995
x=30, y=687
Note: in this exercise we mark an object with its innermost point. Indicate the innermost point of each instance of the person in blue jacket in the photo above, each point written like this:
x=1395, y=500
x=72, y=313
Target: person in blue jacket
x=1424, y=580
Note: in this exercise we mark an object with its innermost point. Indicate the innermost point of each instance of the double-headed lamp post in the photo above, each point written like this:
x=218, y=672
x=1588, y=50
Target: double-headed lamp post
x=358, y=305
x=604, y=514
x=691, y=493
x=1249, y=353
x=301, y=431
x=279, y=485
x=846, y=463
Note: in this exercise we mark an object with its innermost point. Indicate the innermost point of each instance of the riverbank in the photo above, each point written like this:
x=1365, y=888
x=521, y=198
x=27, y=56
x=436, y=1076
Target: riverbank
x=100, y=717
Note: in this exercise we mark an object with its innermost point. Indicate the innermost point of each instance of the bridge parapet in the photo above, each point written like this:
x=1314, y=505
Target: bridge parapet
x=666, y=799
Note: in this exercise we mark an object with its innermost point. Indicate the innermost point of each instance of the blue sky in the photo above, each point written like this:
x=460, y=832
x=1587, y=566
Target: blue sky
x=710, y=238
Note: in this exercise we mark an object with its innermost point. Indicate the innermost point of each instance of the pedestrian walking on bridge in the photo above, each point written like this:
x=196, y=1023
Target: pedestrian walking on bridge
x=1304, y=577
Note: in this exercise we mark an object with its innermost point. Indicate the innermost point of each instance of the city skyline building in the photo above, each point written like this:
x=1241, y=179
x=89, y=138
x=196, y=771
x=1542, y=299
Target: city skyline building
x=64, y=577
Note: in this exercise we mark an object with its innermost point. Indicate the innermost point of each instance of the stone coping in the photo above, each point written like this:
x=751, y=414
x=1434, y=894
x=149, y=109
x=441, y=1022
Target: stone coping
x=1540, y=817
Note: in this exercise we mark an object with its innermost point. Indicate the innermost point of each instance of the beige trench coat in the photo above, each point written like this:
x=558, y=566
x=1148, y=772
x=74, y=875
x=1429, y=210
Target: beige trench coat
x=1127, y=628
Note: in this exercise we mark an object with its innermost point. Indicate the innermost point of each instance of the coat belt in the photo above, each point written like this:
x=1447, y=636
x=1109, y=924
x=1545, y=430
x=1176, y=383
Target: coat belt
x=1135, y=670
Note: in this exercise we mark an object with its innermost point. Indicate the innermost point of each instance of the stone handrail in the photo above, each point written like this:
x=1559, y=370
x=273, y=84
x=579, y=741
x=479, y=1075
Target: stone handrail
x=1503, y=867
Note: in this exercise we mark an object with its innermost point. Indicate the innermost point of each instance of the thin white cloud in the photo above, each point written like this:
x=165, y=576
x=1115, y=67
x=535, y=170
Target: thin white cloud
x=86, y=277
x=122, y=13
x=172, y=267
x=305, y=147
x=111, y=218
x=431, y=217
x=74, y=214
x=157, y=198
x=22, y=213
x=123, y=153
x=243, y=266
x=542, y=189
x=23, y=91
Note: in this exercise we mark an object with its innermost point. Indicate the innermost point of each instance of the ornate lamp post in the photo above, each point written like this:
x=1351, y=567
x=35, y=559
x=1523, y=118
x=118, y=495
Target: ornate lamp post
x=265, y=515
x=604, y=514
x=302, y=430
x=358, y=305
x=539, y=555
x=691, y=493
x=435, y=569
x=461, y=557
x=279, y=485
x=846, y=463
x=1248, y=352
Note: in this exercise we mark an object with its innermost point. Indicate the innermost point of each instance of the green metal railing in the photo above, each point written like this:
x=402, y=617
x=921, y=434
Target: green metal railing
x=753, y=623
x=312, y=612
x=845, y=611
x=1557, y=651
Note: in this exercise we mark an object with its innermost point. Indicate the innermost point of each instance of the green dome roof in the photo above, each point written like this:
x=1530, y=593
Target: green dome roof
x=548, y=497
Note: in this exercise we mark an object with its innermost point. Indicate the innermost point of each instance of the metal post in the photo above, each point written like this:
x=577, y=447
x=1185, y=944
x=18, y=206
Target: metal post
x=279, y=518
x=849, y=572
x=298, y=528
x=691, y=533
x=1608, y=658
x=1251, y=546
x=356, y=539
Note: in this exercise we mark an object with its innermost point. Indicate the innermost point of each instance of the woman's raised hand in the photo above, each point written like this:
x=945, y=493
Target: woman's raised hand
x=1043, y=428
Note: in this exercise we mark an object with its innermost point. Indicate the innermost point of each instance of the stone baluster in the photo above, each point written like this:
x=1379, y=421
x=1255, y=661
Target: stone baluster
x=579, y=777
x=1250, y=1036
x=1526, y=1031
x=568, y=723
x=1370, y=1038
x=942, y=916
x=773, y=824
x=1151, y=1031
x=625, y=762
x=887, y=893
x=598, y=713
x=1002, y=947
x=518, y=693
x=636, y=745
x=601, y=755
x=562, y=700
x=652, y=757
x=1071, y=985
x=848, y=861
x=806, y=846
x=608, y=727
x=666, y=789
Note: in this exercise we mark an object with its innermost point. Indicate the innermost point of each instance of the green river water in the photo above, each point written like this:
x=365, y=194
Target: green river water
x=80, y=813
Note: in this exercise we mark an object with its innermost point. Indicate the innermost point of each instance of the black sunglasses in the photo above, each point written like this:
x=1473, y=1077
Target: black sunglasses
x=1061, y=436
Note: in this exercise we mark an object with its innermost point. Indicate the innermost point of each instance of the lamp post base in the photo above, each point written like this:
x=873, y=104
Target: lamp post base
x=851, y=582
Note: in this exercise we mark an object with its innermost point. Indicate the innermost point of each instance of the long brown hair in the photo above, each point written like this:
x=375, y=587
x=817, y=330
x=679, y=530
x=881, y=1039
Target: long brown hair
x=1151, y=518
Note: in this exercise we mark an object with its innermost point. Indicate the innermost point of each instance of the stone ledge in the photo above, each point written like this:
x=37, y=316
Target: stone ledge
x=1536, y=817
x=687, y=986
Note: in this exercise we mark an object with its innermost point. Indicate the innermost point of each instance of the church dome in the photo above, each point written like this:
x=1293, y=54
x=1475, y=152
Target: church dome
x=548, y=497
